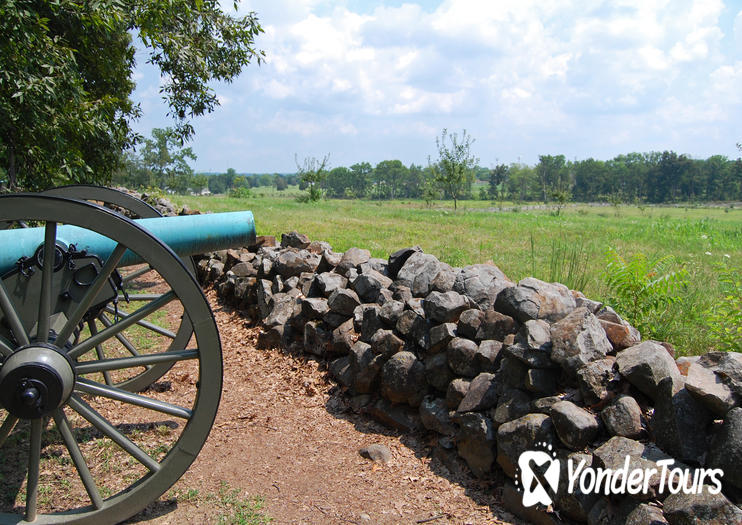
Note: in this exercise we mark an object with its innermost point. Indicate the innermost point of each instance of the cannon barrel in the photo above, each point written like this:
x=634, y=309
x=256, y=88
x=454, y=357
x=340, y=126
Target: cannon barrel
x=186, y=235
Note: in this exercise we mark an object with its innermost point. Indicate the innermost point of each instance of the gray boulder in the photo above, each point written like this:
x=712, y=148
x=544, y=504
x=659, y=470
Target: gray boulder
x=482, y=394
x=725, y=451
x=578, y=339
x=703, y=508
x=366, y=365
x=597, y=379
x=535, y=299
x=384, y=342
x=351, y=260
x=496, y=325
x=481, y=282
x=398, y=258
x=645, y=365
x=403, y=379
x=475, y=442
x=294, y=240
x=576, y=427
x=435, y=416
x=444, y=307
x=716, y=380
x=456, y=392
x=290, y=263
x=469, y=322
x=461, y=356
x=520, y=435
x=437, y=373
x=679, y=423
x=512, y=404
x=368, y=285
x=343, y=301
x=328, y=282
x=623, y=417
x=440, y=336
x=418, y=273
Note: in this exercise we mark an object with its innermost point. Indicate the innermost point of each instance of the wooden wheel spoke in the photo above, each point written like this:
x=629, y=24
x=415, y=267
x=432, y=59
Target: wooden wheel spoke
x=120, y=363
x=34, y=464
x=7, y=428
x=12, y=316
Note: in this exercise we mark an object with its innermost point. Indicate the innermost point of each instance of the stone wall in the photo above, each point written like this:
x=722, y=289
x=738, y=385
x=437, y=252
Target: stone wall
x=494, y=367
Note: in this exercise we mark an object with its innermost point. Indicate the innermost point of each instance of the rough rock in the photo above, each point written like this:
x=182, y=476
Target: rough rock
x=535, y=334
x=384, y=342
x=328, y=282
x=418, y=273
x=366, y=366
x=376, y=452
x=519, y=435
x=443, y=282
x=706, y=508
x=621, y=335
x=623, y=417
x=294, y=240
x=440, y=336
x=444, y=307
x=290, y=262
x=352, y=259
x=316, y=338
x=371, y=321
x=577, y=339
x=482, y=394
x=314, y=308
x=401, y=417
x=343, y=337
x=576, y=427
x=391, y=311
x=488, y=356
x=597, y=379
x=343, y=301
x=281, y=311
x=612, y=454
x=496, y=325
x=435, y=416
x=341, y=371
x=542, y=381
x=645, y=365
x=369, y=285
x=475, y=441
x=398, y=258
x=469, y=322
x=481, y=282
x=437, y=373
x=512, y=404
x=529, y=357
x=535, y=299
x=716, y=380
x=461, y=356
x=725, y=451
x=679, y=423
x=403, y=379
x=456, y=392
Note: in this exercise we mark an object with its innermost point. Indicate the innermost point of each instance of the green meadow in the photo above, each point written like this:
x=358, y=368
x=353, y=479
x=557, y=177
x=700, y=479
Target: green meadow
x=568, y=247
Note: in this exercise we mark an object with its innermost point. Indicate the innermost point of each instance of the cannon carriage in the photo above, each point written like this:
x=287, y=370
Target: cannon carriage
x=92, y=340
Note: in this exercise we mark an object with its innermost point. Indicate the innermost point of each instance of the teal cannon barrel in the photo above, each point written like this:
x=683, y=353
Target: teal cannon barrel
x=186, y=235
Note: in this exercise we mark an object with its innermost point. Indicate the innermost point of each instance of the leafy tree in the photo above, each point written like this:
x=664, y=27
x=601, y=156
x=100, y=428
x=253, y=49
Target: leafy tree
x=497, y=178
x=312, y=173
x=390, y=174
x=168, y=164
x=454, y=170
x=551, y=174
x=65, y=78
x=281, y=183
x=362, y=173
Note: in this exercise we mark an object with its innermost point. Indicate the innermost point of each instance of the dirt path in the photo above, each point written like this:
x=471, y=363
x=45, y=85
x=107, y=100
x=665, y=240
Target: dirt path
x=284, y=433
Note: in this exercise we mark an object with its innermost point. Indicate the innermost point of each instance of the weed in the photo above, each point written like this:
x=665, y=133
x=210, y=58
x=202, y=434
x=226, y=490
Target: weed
x=643, y=288
x=724, y=318
x=239, y=510
x=568, y=263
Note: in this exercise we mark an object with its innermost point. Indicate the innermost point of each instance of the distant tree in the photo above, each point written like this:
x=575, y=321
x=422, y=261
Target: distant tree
x=312, y=172
x=167, y=162
x=390, y=174
x=339, y=182
x=498, y=176
x=281, y=183
x=454, y=170
x=551, y=174
x=362, y=173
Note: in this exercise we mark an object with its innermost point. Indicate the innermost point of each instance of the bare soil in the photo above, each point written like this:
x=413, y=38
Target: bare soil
x=285, y=432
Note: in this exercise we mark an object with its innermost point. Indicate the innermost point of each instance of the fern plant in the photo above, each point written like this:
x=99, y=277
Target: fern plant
x=642, y=289
x=724, y=318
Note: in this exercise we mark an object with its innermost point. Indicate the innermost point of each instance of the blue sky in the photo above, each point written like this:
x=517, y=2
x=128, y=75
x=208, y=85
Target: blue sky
x=369, y=81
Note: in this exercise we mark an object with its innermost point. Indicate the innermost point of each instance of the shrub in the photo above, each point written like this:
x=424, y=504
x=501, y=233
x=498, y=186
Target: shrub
x=642, y=289
x=240, y=193
x=724, y=318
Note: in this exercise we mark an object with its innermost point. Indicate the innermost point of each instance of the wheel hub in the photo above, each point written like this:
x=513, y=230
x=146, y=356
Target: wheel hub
x=35, y=381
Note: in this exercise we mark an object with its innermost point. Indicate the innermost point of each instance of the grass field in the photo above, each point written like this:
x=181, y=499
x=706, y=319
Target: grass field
x=524, y=242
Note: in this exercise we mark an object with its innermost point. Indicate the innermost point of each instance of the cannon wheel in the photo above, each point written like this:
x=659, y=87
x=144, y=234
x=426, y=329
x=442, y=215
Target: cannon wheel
x=141, y=209
x=88, y=412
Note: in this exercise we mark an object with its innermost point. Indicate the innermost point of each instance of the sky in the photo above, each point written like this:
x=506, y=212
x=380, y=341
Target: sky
x=371, y=81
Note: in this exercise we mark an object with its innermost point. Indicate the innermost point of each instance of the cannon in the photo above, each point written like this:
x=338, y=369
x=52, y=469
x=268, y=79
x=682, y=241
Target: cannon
x=99, y=318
